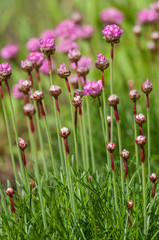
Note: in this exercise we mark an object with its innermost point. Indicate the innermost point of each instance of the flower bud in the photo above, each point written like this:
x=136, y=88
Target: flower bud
x=5, y=71
x=32, y=183
x=155, y=35
x=38, y=96
x=134, y=95
x=63, y=71
x=78, y=92
x=153, y=177
x=146, y=87
x=25, y=86
x=77, y=101
x=64, y=132
x=140, y=119
x=22, y=144
x=47, y=46
x=130, y=204
x=102, y=62
x=109, y=120
x=111, y=146
x=74, y=55
x=137, y=30
x=151, y=46
x=125, y=154
x=26, y=65
x=29, y=110
x=82, y=71
x=113, y=100
x=141, y=140
x=112, y=33
x=77, y=17
x=55, y=91
x=10, y=192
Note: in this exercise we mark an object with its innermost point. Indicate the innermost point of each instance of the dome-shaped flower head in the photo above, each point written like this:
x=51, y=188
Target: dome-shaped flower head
x=125, y=154
x=16, y=92
x=83, y=62
x=141, y=140
x=63, y=71
x=73, y=80
x=29, y=110
x=86, y=32
x=112, y=16
x=82, y=71
x=64, y=132
x=74, y=55
x=109, y=120
x=47, y=45
x=38, y=96
x=77, y=17
x=134, y=95
x=45, y=67
x=26, y=65
x=137, y=30
x=146, y=87
x=78, y=92
x=5, y=71
x=10, y=192
x=111, y=147
x=113, y=100
x=112, y=33
x=67, y=29
x=155, y=35
x=36, y=58
x=10, y=51
x=49, y=33
x=22, y=144
x=77, y=101
x=33, y=45
x=102, y=62
x=155, y=6
x=140, y=119
x=66, y=45
x=146, y=16
x=25, y=86
x=153, y=177
x=130, y=204
x=93, y=88
x=55, y=91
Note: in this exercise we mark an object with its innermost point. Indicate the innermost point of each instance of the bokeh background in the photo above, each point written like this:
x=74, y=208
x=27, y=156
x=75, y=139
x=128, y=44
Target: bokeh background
x=22, y=20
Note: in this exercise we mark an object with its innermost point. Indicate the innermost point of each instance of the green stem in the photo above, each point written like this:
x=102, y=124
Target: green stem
x=115, y=194
x=127, y=184
x=4, y=206
x=144, y=197
x=102, y=121
x=121, y=160
x=85, y=164
x=111, y=90
x=136, y=147
x=85, y=135
x=90, y=135
x=149, y=142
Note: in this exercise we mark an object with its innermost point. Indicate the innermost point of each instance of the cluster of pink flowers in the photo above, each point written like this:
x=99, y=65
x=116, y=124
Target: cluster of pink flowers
x=147, y=16
x=9, y=51
x=83, y=62
x=5, y=69
x=49, y=33
x=33, y=45
x=112, y=16
x=47, y=43
x=66, y=45
x=44, y=67
x=36, y=58
x=112, y=33
x=93, y=88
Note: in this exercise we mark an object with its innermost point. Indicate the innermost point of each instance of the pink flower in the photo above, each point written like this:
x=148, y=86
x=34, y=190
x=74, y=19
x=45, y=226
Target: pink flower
x=86, y=32
x=48, y=34
x=102, y=62
x=5, y=70
x=67, y=29
x=9, y=51
x=112, y=16
x=147, y=16
x=47, y=45
x=66, y=45
x=93, y=88
x=44, y=68
x=155, y=6
x=83, y=62
x=36, y=58
x=15, y=90
x=112, y=33
x=33, y=45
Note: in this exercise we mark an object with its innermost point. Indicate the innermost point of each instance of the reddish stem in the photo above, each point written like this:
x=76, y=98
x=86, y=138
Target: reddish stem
x=80, y=110
x=31, y=124
x=130, y=223
x=134, y=108
x=42, y=109
x=109, y=132
x=30, y=77
x=126, y=168
x=116, y=114
x=84, y=78
x=37, y=75
x=49, y=64
x=102, y=75
x=75, y=117
x=153, y=190
x=142, y=154
x=140, y=130
x=26, y=99
x=66, y=146
x=68, y=86
x=39, y=111
x=112, y=162
x=57, y=105
x=112, y=51
x=12, y=205
x=1, y=91
x=7, y=87
x=147, y=101
x=23, y=157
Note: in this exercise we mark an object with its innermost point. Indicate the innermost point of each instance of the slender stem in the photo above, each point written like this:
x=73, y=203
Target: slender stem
x=102, y=122
x=85, y=163
x=4, y=206
x=111, y=88
x=136, y=148
x=115, y=194
x=127, y=184
x=121, y=161
x=149, y=142
x=90, y=135
x=144, y=197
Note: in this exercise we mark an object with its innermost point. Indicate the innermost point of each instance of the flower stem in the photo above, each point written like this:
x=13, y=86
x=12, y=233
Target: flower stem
x=83, y=116
x=115, y=194
x=102, y=121
x=85, y=163
x=144, y=197
x=111, y=88
x=149, y=142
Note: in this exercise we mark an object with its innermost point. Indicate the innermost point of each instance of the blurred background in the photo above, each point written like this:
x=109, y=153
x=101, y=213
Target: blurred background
x=135, y=61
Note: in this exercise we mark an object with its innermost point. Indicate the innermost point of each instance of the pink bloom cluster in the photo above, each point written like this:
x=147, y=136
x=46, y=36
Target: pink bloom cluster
x=147, y=16
x=36, y=58
x=66, y=45
x=63, y=69
x=83, y=62
x=155, y=6
x=15, y=90
x=93, y=88
x=49, y=33
x=5, y=69
x=33, y=45
x=67, y=29
x=86, y=32
x=47, y=43
x=45, y=67
x=9, y=51
x=112, y=32
x=102, y=59
x=112, y=16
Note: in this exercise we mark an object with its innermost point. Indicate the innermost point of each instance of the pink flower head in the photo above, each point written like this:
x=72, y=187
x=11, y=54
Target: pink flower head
x=10, y=192
x=93, y=88
x=73, y=79
x=5, y=70
x=112, y=16
x=66, y=45
x=45, y=67
x=67, y=29
x=33, y=45
x=112, y=33
x=83, y=62
x=89, y=177
x=147, y=16
x=47, y=45
x=63, y=71
x=16, y=92
x=48, y=34
x=9, y=51
x=86, y=32
x=36, y=58
x=155, y=6
x=102, y=62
